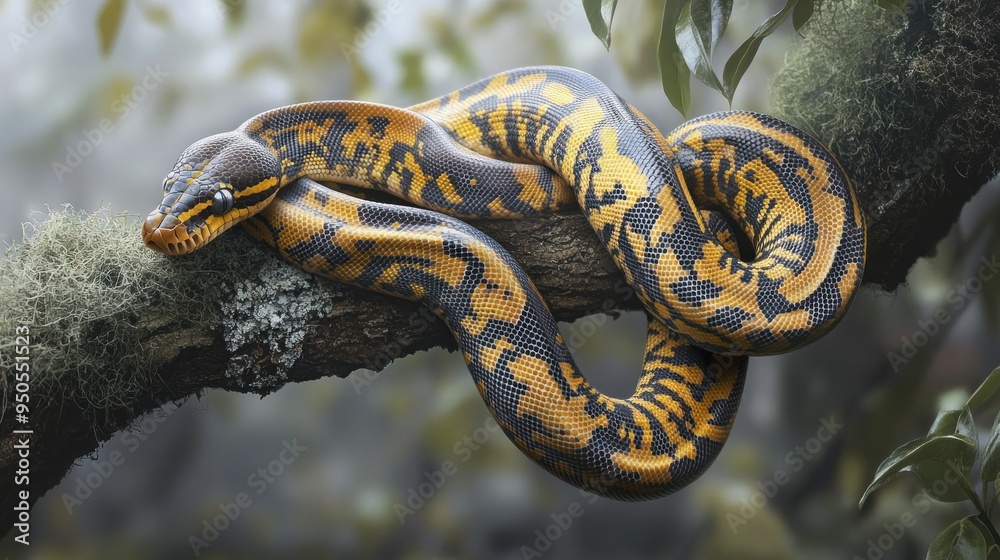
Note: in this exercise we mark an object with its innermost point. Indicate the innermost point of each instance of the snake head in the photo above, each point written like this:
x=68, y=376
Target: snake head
x=217, y=182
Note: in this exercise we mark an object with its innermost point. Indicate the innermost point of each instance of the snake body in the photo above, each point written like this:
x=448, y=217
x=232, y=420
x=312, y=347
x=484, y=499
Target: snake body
x=530, y=141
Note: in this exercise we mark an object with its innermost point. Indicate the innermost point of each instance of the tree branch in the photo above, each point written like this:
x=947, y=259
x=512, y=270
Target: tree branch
x=358, y=331
x=236, y=318
x=907, y=101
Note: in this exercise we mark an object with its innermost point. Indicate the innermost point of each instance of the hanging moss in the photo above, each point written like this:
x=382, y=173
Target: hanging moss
x=104, y=311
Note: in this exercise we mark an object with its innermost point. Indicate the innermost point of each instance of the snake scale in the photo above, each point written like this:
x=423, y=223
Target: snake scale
x=536, y=140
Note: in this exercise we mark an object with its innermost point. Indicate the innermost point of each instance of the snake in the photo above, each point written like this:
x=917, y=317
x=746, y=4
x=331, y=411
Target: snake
x=739, y=234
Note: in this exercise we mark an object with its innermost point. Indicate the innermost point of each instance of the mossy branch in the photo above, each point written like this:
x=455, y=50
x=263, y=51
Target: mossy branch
x=908, y=101
x=117, y=330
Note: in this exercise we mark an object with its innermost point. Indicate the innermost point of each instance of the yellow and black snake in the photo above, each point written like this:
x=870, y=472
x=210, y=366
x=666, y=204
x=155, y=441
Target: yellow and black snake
x=534, y=140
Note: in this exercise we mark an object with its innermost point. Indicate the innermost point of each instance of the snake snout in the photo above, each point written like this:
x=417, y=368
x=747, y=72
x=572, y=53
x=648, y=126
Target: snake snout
x=166, y=234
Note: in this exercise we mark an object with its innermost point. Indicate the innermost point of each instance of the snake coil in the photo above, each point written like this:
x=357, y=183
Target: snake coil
x=526, y=142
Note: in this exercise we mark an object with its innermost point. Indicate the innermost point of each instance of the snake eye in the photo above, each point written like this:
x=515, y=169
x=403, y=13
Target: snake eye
x=222, y=201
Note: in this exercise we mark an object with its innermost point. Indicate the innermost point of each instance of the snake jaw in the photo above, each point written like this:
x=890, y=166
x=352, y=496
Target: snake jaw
x=166, y=234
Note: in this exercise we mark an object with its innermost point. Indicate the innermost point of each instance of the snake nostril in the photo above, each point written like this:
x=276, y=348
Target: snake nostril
x=158, y=228
x=152, y=222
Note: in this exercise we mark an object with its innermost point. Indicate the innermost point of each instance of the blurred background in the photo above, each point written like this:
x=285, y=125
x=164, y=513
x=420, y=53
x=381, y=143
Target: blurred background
x=363, y=476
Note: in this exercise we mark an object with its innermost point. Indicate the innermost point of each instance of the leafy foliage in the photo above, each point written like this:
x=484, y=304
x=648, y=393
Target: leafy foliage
x=600, y=13
x=962, y=539
x=947, y=454
x=689, y=34
x=109, y=23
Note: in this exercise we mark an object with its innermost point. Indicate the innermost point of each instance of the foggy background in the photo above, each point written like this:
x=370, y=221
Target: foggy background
x=184, y=70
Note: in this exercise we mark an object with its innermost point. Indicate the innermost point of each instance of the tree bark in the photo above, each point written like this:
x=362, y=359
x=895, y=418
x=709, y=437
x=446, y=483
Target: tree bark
x=361, y=330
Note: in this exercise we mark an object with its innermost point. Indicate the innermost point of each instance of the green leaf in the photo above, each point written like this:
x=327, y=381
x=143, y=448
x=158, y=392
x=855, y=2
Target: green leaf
x=955, y=422
x=932, y=473
x=990, y=469
x=986, y=389
x=962, y=540
x=496, y=11
x=674, y=72
x=802, y=13
x=412, y=64
x=451, y=43
x=897, y=5
x=600, y=13
x=986, y=532
x=740, y=60
x=109, y=23
x=939, y=448
x=699, y=28
x=157, y=15
x=235, y=11
x=264, y=57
